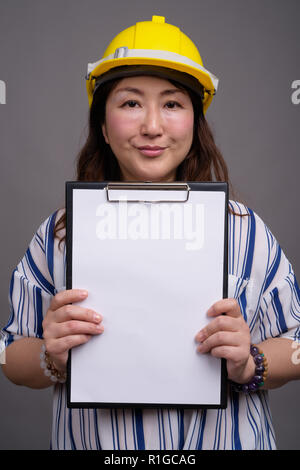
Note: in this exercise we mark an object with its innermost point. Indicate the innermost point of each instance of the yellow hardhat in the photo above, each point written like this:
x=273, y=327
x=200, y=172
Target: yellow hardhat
x=157, y=46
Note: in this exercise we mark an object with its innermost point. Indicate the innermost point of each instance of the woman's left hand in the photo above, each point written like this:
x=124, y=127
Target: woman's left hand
x=228, y=336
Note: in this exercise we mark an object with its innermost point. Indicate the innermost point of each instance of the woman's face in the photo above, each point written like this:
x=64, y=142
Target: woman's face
x=149, y=127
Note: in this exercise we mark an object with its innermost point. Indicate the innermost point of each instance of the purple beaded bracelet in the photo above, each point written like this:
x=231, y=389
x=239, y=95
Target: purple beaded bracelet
x=260, y=374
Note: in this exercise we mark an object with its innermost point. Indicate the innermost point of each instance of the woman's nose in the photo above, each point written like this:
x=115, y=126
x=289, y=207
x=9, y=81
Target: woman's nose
x=152, y=123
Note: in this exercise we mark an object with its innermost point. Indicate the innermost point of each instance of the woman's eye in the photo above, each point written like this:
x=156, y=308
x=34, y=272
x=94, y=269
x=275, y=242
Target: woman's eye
x=130, y=103
x=173, y=104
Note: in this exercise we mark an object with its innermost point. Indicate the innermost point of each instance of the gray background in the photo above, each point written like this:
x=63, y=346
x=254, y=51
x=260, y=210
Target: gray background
x=252, y=46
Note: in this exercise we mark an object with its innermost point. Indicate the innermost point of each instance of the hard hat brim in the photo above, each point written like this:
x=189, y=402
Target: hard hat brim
x=205, y=78
x=151, y=70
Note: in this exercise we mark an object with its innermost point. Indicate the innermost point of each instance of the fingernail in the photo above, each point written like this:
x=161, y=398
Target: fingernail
x=97, y=318
x=83, y=293
x=210, y=311
x=200, y=336
x=99, y=328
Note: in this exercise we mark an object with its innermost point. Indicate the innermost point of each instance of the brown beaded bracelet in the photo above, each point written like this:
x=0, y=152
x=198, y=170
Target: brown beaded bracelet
x=260, y=375
x=50, y=369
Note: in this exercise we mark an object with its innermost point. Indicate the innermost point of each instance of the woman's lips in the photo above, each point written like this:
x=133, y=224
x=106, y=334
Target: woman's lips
x=151, y=151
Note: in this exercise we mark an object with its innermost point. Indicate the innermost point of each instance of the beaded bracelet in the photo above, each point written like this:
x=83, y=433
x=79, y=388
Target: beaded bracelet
x=260, y=374
x=50, y=369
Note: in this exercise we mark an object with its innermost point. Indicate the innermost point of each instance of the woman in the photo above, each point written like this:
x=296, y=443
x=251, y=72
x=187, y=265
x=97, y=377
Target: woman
x=148, y=96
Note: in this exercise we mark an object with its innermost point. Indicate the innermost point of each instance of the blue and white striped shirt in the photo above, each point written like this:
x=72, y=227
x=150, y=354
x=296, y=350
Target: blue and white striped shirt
x=262, y=280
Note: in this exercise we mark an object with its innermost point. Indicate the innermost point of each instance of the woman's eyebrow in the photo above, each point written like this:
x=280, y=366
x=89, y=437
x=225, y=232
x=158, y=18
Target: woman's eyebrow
x=172, y=91
x=130, y=90
x=137, y=91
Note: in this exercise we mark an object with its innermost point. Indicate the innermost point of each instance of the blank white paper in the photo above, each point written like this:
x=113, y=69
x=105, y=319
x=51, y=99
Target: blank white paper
x=152, y=276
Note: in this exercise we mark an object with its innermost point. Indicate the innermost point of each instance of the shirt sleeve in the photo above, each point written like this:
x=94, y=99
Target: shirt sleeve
x=265, y=284
x=32, y=286
x=280, y=302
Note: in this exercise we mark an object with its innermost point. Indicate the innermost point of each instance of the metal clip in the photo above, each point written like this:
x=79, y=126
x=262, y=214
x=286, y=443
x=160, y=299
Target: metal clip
x=148, y=186
x=121, y=52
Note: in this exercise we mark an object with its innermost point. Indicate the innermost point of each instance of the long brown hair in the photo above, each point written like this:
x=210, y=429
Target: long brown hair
x=96, y=162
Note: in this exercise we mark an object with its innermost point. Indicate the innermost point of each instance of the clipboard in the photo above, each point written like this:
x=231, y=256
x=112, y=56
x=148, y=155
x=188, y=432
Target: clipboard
x=153, y=257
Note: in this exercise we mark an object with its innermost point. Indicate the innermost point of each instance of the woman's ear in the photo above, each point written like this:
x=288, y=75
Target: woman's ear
x=103, y=127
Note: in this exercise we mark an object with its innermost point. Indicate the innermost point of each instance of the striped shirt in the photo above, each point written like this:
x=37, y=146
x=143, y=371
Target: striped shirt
x=260, y=278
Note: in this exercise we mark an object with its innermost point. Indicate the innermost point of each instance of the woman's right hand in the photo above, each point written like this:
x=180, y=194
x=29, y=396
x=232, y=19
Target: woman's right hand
x=66, y=325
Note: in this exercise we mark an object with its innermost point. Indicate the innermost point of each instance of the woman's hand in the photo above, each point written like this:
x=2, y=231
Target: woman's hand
x=227, y=336
x=66, y=325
